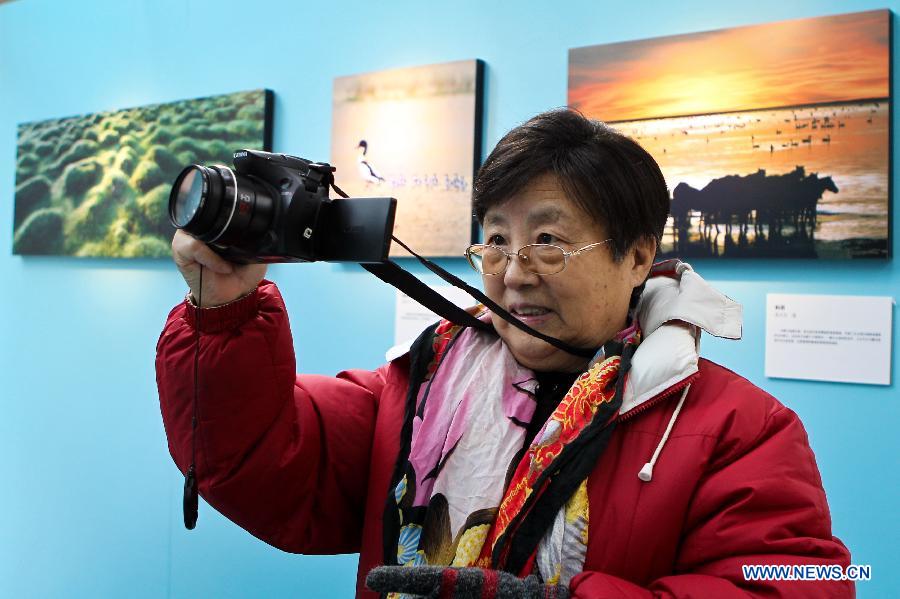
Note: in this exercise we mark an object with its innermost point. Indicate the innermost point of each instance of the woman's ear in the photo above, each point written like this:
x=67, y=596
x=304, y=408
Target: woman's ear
x=641, y=256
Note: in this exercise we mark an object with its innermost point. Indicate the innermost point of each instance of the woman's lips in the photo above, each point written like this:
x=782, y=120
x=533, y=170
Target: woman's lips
x=531, y=314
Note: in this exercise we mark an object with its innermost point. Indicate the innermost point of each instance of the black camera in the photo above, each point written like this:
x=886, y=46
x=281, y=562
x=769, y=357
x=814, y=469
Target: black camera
x=276, y=208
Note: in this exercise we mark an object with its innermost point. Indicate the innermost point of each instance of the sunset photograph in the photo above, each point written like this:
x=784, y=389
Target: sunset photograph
x=773, y=138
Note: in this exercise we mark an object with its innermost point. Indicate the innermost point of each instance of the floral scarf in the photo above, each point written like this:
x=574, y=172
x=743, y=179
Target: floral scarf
x=466, y=493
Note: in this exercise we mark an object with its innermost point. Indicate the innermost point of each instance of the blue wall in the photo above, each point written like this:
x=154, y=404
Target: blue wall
x=90, y=502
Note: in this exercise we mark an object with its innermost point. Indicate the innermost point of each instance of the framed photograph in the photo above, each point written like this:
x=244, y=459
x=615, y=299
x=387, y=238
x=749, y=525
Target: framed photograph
x=774, y=139
x=413, y=134
x=98, y=185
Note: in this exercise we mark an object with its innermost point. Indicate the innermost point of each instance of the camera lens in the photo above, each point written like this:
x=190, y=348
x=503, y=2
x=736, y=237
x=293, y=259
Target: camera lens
x=188, y=194
x=216, y=205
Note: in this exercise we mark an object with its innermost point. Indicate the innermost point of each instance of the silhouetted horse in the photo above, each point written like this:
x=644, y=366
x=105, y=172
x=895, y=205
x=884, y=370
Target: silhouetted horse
x=760, y=200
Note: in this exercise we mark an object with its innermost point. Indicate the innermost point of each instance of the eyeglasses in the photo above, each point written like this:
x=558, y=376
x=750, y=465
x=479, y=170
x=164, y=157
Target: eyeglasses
x=539, y=258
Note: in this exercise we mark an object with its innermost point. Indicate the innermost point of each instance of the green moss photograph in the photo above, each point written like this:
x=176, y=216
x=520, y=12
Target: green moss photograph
x=98, y=185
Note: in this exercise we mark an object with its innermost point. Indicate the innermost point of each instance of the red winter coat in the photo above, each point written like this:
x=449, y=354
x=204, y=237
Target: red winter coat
x=304, y=462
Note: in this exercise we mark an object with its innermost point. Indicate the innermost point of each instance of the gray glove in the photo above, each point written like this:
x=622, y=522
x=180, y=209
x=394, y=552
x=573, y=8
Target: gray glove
x=460, y=583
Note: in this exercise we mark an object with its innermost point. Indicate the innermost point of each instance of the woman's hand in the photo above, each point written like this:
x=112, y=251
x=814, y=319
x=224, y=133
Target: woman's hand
x=223, y=281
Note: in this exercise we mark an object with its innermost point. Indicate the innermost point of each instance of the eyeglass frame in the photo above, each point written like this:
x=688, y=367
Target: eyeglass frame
x=524, y=259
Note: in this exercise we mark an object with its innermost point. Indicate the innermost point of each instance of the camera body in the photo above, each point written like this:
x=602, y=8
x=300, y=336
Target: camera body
x=276, y=208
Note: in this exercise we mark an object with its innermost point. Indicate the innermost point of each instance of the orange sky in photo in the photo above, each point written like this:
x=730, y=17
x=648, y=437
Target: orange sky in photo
x=790, y=63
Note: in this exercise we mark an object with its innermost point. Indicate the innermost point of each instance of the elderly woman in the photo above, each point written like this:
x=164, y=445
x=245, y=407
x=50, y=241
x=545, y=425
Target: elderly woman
x=482, y=464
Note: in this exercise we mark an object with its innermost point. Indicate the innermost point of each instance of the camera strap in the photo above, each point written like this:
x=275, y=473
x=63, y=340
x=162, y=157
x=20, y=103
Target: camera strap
x=391, y=273
x=190, y=500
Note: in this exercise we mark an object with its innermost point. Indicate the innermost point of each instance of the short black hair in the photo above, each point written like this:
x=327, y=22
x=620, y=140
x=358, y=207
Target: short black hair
x=607, y=174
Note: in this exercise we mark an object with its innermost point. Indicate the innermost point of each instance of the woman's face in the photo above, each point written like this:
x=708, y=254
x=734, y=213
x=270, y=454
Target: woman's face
x=586, y=304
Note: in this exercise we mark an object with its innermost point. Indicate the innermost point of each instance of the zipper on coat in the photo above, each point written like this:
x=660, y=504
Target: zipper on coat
x=650, y=403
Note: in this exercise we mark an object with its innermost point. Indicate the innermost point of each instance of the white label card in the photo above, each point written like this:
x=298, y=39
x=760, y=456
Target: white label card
x=411, y=318
x=839, y=338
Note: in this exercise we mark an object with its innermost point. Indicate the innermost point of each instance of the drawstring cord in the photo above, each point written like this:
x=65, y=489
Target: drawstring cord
x=646, y=473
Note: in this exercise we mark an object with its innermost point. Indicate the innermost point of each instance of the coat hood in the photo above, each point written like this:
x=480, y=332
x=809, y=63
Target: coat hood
x=677, y=304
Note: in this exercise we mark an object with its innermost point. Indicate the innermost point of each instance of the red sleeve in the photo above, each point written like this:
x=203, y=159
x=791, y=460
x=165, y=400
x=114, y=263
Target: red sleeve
x=761, y=502
x=283, y=456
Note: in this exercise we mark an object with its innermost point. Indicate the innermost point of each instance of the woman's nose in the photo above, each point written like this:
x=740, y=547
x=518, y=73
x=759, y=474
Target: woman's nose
x=517, y=273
